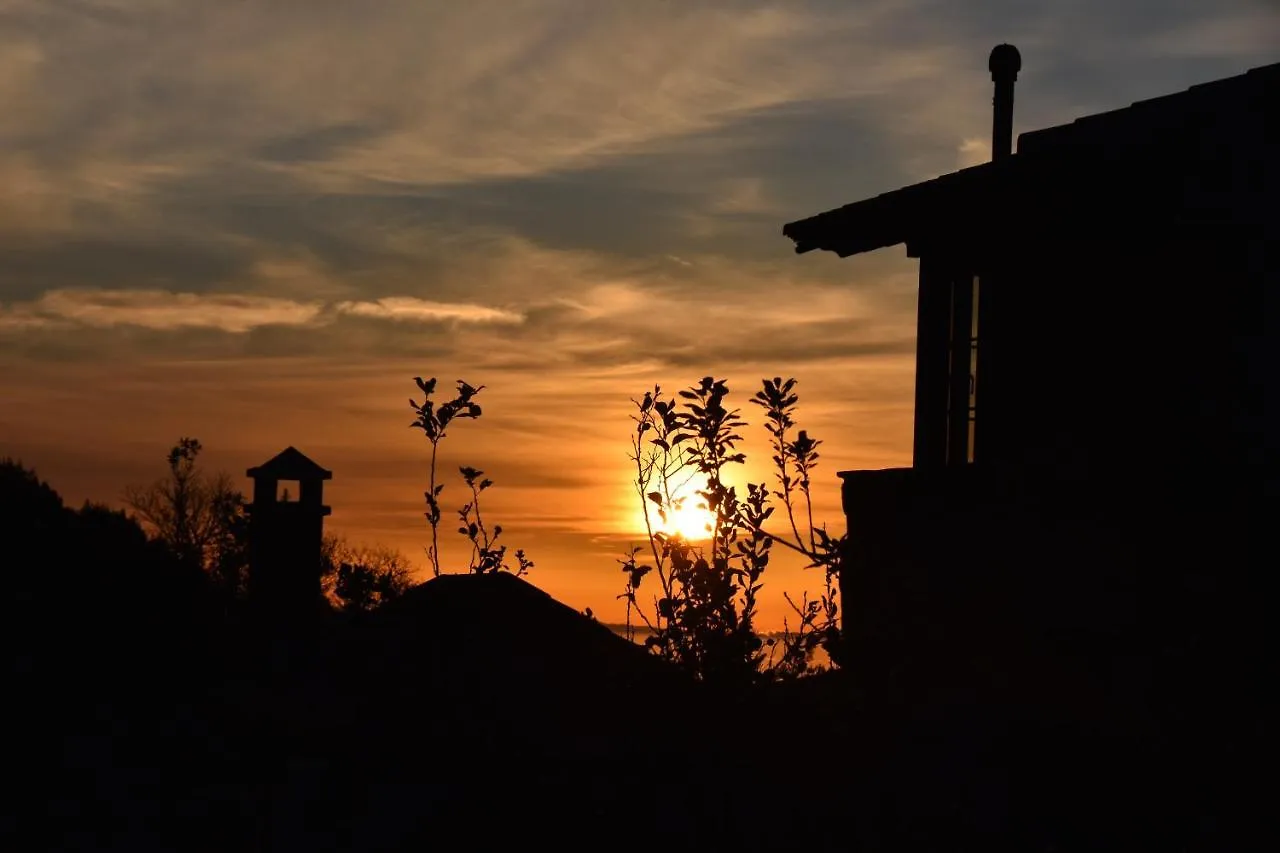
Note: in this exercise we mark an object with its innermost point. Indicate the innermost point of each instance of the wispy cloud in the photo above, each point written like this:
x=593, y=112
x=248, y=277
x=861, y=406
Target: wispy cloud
x=231, y=313
x=409, y=309
x=155, y=310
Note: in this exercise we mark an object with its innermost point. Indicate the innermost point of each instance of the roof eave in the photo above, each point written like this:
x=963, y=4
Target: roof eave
x=890, y=219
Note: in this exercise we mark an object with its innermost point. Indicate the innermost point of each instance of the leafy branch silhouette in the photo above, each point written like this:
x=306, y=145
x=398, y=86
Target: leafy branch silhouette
x=793, y=462
x=487, y=555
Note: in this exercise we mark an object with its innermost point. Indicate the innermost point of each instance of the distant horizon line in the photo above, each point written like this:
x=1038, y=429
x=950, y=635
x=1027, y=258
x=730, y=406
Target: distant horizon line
x=620, y=628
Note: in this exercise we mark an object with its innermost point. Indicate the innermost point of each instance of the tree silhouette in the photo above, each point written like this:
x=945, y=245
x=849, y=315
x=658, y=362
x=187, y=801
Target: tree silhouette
x=361, y=577
x=199, y=517
x=30, y=503
x=92, y=573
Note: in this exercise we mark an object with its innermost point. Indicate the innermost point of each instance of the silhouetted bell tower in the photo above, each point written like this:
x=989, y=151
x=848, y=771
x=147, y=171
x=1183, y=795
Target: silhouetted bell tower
x=285, y=531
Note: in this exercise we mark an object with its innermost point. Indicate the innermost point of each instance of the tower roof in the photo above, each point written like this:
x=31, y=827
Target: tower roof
x=289, y=464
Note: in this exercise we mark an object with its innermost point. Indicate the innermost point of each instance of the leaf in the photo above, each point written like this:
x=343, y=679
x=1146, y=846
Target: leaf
x=656, y=497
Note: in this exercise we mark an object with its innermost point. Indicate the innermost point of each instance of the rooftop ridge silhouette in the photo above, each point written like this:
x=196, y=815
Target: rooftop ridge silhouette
x=290, y=464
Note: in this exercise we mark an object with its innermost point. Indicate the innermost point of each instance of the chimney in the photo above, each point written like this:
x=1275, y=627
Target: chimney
x=1004, y=64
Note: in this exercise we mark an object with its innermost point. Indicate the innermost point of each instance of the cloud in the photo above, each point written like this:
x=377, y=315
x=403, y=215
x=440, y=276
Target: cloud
x=406, y=308
x=151, y=309
x=231, y=313
x=973, y=151
x=176, y=145
x=399, y=93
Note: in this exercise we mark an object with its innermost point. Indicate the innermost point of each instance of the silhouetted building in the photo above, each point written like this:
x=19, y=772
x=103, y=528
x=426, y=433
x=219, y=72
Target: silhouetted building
x=1092, y=441
x=285, y=533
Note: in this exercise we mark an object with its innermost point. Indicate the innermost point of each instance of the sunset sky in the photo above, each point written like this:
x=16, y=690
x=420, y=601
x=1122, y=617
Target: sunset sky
x=256, y=222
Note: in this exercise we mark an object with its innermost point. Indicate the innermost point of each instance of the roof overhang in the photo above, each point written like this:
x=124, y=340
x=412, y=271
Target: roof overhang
x=1194, y=154
x=952, y=207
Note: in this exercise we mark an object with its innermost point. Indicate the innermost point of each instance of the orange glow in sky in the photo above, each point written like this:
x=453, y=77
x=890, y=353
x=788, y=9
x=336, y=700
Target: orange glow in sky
x=254, y=224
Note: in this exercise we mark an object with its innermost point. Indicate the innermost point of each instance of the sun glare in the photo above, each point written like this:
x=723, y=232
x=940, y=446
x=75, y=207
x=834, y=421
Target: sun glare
x=690, y=519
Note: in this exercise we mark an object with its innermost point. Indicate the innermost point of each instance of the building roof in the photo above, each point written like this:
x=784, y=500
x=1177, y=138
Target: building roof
x=1164, y=118
x=289, y=464
x=1147, y=141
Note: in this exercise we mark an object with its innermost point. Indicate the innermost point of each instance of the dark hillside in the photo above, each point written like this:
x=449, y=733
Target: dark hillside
x=473, y=687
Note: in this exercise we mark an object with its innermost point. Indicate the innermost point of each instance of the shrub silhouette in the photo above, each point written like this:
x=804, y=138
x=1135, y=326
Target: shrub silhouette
x=702, y=616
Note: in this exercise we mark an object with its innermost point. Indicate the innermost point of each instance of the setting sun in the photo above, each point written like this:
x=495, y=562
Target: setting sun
x=688, y=518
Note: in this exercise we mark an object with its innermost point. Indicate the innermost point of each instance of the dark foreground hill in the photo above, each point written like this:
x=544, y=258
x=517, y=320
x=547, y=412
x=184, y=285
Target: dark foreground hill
x=476, y=705
x=478, y=711
x=475, y=668
x=500, y=633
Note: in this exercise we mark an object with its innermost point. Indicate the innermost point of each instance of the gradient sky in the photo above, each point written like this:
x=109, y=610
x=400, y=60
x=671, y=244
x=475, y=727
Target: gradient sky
x=256, y=222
